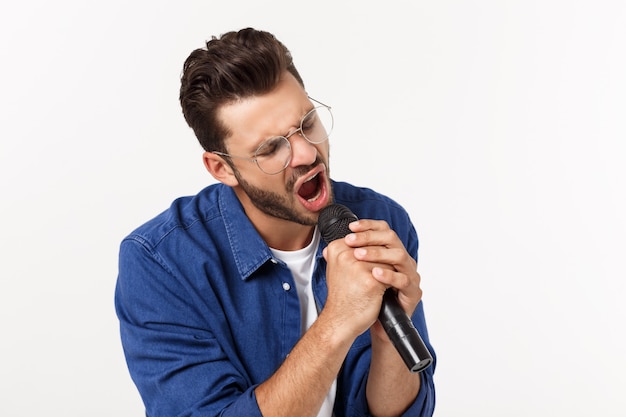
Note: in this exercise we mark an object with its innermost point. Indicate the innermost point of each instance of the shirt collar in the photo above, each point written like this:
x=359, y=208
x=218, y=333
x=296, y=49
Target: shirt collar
x=249, y=250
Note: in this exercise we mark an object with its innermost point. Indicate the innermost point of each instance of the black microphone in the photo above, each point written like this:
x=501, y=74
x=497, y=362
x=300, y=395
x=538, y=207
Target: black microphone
x=333, y=223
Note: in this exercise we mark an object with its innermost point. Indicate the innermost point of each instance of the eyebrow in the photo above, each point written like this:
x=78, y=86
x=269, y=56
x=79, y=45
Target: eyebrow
x=299, y=123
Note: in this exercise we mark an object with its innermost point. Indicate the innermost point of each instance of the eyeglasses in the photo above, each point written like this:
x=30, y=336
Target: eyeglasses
x=274, y=154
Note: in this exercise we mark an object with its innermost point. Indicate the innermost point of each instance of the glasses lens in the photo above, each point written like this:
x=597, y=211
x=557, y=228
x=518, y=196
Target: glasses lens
x=317, y=124
x=273, y=155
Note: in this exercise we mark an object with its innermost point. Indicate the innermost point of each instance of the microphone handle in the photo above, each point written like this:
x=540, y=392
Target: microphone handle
x=403, y=334
x=333, y=224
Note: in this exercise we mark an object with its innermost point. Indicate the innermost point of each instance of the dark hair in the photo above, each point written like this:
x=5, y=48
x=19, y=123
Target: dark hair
x=235, y=66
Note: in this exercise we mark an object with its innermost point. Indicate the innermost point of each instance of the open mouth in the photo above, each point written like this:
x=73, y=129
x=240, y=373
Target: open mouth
x=310, y=190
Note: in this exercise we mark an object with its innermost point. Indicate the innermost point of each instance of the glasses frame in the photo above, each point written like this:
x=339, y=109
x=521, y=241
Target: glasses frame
x=298, y=130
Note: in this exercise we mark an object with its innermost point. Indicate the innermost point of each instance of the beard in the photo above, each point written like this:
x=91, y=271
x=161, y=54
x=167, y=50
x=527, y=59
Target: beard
x=282, y=206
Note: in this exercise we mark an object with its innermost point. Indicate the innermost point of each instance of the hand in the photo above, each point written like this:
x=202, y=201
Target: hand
x=390, y=388
x=361, y=266
x=354, y=295
x=375, y=242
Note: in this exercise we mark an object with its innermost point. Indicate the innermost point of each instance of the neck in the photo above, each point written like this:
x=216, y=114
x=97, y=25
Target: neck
x=284, y=235
x=291, y=242
x=278, y=233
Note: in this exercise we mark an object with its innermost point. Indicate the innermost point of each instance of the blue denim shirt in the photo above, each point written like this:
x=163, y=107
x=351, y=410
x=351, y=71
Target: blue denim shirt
x=207, y=313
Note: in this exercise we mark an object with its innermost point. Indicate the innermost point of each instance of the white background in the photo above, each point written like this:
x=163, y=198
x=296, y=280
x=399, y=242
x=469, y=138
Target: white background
x=500, y=125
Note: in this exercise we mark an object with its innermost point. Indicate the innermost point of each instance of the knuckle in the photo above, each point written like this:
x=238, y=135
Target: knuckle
x=344, y=256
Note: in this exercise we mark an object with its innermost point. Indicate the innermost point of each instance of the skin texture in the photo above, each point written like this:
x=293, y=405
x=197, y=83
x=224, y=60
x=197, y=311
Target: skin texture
x=360, y=266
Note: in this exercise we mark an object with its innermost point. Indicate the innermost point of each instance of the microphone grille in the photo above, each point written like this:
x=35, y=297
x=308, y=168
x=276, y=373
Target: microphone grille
x=333, y=222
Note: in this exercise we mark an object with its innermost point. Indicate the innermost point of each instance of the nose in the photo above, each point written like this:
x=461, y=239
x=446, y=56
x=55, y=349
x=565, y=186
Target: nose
x=303, y=152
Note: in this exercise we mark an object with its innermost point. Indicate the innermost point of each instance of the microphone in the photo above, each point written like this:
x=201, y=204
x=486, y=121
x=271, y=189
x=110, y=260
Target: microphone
x=333, y=223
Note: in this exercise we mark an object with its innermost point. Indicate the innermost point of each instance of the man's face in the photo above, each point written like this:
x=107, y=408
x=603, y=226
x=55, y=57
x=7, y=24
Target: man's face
x=299, y=192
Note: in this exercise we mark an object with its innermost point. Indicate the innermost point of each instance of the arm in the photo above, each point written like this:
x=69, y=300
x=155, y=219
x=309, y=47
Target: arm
x=351, y=307
x=175, y=335
x=302, y=382
x=176, y=361
x=391, y=388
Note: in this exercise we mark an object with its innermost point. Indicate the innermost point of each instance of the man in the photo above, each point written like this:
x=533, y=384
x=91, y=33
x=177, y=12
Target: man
x=229, y=302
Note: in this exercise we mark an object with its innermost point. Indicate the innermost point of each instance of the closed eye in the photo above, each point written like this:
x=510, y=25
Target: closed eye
x=270, y=147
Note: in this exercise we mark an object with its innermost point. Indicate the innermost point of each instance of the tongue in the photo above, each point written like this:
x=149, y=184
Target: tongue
x=308, y=189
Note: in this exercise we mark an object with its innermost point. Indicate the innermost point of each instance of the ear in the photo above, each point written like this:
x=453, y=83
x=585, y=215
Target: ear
x=219, y=169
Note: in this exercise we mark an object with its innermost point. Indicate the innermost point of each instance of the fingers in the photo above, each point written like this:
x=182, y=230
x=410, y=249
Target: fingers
x=371, y=233
x=408, y=286
x=377, y=248
x=374, y=241
x=396, y=257
x=354, y=296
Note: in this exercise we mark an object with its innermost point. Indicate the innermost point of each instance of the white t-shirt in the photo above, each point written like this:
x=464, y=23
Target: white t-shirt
x=301, y=263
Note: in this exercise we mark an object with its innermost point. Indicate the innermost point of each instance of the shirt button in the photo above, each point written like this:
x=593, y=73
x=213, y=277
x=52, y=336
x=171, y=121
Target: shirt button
x=274, y=261
x=286, y=286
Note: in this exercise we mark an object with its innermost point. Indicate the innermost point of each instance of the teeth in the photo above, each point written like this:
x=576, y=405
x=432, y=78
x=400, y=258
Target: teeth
x=315, y=197
x=319, y=191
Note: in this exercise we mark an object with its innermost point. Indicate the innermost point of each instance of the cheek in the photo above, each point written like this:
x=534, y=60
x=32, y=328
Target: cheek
x=270, y=183
x=322, y=151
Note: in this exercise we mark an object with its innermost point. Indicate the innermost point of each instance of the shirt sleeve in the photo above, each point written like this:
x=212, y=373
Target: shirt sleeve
x=174, y=360
x=353, y=379
x=424, y=404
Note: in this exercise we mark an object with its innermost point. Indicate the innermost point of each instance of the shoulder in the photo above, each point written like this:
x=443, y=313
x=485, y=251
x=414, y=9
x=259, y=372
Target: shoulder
x=183, y=213
x=368, y=203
